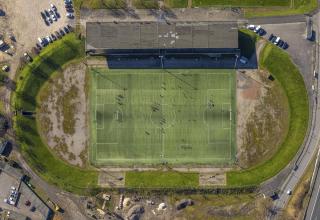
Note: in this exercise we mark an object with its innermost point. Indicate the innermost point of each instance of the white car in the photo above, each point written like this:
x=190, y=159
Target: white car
x=289, y=192
x=251, y=26
x=54, y=17
x=5, y=68
x=276, y=41
x=69, y=15
x=53, y=7
x=48, y=38
x=257, y=29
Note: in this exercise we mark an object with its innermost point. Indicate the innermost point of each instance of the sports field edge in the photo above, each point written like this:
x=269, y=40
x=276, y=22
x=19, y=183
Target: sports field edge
x=146, y=162
x=280, y=65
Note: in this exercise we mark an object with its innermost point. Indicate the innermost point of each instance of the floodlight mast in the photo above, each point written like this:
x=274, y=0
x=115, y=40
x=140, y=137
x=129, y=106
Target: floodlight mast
x=235, y=63
x=161, y=59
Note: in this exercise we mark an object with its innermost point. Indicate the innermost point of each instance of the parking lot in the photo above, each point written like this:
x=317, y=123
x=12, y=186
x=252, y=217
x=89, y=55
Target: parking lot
x=26, y=23
x=300, y=49
x=6, y=185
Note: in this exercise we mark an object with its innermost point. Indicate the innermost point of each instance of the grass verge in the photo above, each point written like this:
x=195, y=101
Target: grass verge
x=279, y=64
x=161, y=179
x=176, y=3
x=298, y=7
x=242, y=3
x=36, y=153
x=146, y=4
x=100, y=4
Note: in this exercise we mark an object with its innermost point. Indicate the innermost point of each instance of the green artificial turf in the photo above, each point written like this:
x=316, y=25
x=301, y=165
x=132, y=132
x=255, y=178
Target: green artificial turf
x=155, y=116
x=34, y=150
x=279, y=64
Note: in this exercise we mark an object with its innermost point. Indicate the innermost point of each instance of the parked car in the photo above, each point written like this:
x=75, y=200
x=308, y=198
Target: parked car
x=54, y=18
x=66, y=30
x=67, y=2
x=53, y=37
x=62, y=32
x=49, y=20
x=38, y=46
x=46, y=13
x=42, y=42
x=261, y=32
x=285, y=46
x=5, y=68
x=70, y=28
x=280, y=44
x=270, y=37
x=57, y=34
x=257, y=29
x=48, y=39
x=68, y=6
x=276, y=41
x=50, y=11
x=70, y=15
x=289, y=192
x=53, y=7
x=273, y=39
x=251, y=26
x=43, y=15
x=27, y=57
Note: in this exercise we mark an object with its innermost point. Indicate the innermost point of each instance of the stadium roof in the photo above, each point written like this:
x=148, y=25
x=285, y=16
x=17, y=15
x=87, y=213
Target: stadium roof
x=162, y=35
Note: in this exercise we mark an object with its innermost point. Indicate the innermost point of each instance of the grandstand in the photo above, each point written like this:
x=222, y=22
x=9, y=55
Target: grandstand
x=212, y=39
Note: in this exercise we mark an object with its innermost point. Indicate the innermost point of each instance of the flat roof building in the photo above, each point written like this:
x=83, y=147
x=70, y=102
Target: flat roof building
x=152, y=37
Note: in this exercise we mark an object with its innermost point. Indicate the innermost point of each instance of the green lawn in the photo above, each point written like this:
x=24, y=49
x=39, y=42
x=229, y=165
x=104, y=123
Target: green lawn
x=155, y=116
x=37, y=154
x=98, y=4
x=176, y=3
x=279, y=64
x=298, y=7
x=240, y=3
x=161, y=179
x=145, y=4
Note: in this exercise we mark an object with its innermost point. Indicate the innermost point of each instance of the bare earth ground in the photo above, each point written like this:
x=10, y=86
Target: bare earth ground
x=262, y=117
x=63, y=114
x=205, y=207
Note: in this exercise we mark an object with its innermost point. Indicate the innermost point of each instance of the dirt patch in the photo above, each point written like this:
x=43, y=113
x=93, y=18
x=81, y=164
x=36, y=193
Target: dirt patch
x=111, y=179
x=263, y=116
x=212, y=179
x=63, y=114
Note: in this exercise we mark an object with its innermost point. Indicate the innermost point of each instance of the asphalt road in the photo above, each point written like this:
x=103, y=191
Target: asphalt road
x=313, y=209
x=310, y=148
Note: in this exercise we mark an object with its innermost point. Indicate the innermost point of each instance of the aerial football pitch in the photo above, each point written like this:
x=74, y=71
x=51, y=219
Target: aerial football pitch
x=162, y=116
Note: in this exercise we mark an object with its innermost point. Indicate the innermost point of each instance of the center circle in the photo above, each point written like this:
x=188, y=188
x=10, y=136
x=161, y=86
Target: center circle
x=162, y=115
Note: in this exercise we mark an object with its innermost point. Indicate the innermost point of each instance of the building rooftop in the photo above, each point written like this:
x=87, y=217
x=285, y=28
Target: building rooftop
x=161, y=35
